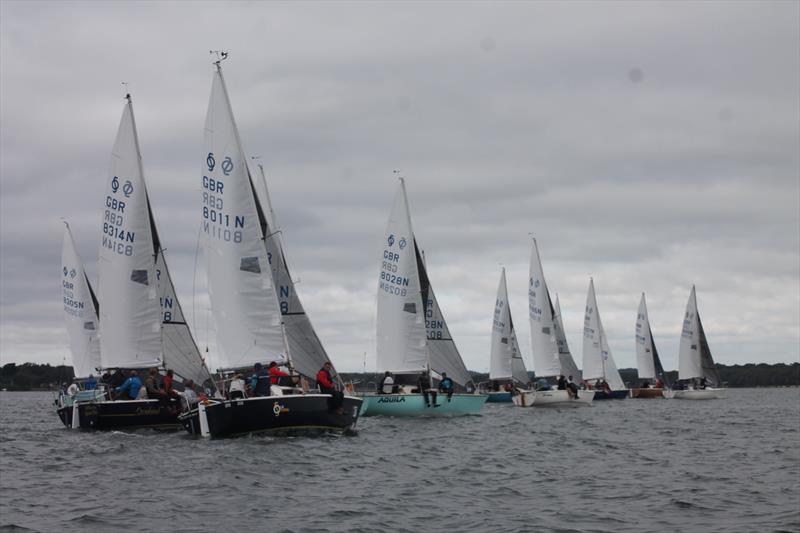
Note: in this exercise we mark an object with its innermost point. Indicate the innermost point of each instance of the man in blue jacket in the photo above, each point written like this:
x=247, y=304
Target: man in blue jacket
x=129, y=390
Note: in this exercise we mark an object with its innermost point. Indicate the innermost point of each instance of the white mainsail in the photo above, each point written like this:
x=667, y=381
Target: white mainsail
x=694, y=357
x=644, y=344
x=505, y=361
x=401, y=339
x=568, y=366
x=598, y=363
x=308, y=354
x=243, y=297
x=130, y=318
x=80, y=310
x=544, y=340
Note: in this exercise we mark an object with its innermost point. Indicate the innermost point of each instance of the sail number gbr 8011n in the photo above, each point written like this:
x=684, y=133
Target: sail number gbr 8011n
x=216, y=222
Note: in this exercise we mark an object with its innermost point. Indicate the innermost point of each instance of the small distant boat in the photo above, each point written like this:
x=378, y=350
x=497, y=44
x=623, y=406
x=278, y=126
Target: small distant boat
x=598, y=362
x=506, y=367
x=647, y=360
x=245, y=266
x=551, y=355
x=413, y=340
x=698, y=378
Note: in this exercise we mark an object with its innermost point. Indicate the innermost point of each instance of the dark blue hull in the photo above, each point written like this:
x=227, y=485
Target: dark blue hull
x=611, y=395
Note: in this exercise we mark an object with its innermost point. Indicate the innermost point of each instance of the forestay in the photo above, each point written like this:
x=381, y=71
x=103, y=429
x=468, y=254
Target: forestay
x=505, y=361
x=80, y=310
x=243, y=298
x=694, y=357
x=307, y=353
x=598, y=362
x=546, y=362
x=130, y=318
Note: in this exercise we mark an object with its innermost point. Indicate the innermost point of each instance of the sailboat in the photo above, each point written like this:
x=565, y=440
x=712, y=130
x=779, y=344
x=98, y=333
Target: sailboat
x=413, y=340
x=551, y=355
x=647, y=360
x=141, y=322
x=598, y=362
x=80, y=313
x=246, y=270
x=506, y=366
x=698, y=378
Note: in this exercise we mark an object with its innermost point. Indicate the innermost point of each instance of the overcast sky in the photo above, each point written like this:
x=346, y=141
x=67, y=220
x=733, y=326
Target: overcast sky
x=650, y=145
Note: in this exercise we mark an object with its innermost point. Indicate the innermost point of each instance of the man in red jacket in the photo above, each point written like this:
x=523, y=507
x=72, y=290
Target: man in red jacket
x=275, y=374
x=325, y=379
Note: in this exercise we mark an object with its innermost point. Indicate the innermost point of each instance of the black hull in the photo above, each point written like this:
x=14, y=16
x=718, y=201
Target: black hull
x=131, y=414
x=611, y=395
x=311, y=413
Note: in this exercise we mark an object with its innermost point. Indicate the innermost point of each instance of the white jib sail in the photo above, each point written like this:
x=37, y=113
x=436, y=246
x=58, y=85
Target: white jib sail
x=644, y=341
x=689, y=362
x=598, y=363
x=543, y=332
x=400, y=322
x=505, y=361
x=79, y=310
x=242, y=293
x=568, y=366
x=130, y=318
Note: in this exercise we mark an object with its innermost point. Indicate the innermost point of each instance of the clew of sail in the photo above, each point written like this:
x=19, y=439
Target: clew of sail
x=694, y=357
x=401, y=340
x=130, y=325
x=80, y=310
x=544, y=340
x=308, y=354
x=598, y=362
x=243, y=298
x=505, y=361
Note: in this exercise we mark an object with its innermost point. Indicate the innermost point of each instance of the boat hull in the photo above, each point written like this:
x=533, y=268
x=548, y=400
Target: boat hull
x=611, y=395
x=499, y=397
x=414, y=405
x=553, y=398
x=296, y=413
x=695, y=394
x=647, y=393
x=120, y=414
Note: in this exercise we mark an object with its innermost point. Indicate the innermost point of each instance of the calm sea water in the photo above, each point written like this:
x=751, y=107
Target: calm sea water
x=632, y=465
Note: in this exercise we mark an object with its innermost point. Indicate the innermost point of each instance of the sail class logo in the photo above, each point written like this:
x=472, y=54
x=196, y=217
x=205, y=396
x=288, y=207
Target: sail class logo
x=66, y=271
x=114, y=184
x=127, y=189
x=277, y=409
x=402, y=243
x=391, y=241
x=73, y=273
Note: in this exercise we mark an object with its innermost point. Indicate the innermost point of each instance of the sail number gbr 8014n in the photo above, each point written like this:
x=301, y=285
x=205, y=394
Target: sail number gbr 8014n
x=216, y=222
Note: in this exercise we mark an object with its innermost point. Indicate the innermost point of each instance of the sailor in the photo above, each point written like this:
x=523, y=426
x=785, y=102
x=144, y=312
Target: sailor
x=259, y=381
x=572, y=387
x=446, y=386
x=386, y=385
x=703, y=382
x=236, y=388
x=130, y=389
x=326, y=386
x=562, y=383
x=189, y=396
x=275, y=374
x=151, y=384
x=167, y=382
x=73, y=389
x=90, y=383
x=428, y=394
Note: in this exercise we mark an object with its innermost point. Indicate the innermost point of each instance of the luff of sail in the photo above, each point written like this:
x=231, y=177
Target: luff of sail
x=505, y=361
x=240, y=285
x=130, y=325
x=401, y=340
x=544, y=345
x=307, y=352
x=694, y=357
x=80, y=310
x=443, y=355
x=598, y=362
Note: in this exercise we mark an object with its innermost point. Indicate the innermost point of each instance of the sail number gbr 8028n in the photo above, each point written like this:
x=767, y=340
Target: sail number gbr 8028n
x=216, y=222
x=390, y=281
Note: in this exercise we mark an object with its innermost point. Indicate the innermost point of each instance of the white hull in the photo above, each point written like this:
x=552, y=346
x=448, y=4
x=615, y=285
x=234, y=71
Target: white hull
x=695, y=394
x=553, y=398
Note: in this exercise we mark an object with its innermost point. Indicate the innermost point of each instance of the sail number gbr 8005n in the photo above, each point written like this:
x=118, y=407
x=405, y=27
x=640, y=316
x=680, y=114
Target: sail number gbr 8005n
x=216, y=222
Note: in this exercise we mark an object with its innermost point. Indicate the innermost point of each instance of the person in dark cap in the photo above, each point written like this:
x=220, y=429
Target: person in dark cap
x=259, y=381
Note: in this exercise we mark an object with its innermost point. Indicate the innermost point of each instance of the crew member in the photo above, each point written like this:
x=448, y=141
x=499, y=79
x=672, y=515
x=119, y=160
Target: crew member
x=275, y=374
x=446, y=386
x=259, y=381
x=386, y=386
x=129, y=390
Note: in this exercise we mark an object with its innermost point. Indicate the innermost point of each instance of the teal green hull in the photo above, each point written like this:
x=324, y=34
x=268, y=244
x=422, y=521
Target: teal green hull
x=414, y=405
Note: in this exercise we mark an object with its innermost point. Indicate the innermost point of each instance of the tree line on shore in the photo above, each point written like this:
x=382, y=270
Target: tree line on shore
x=32, y=376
